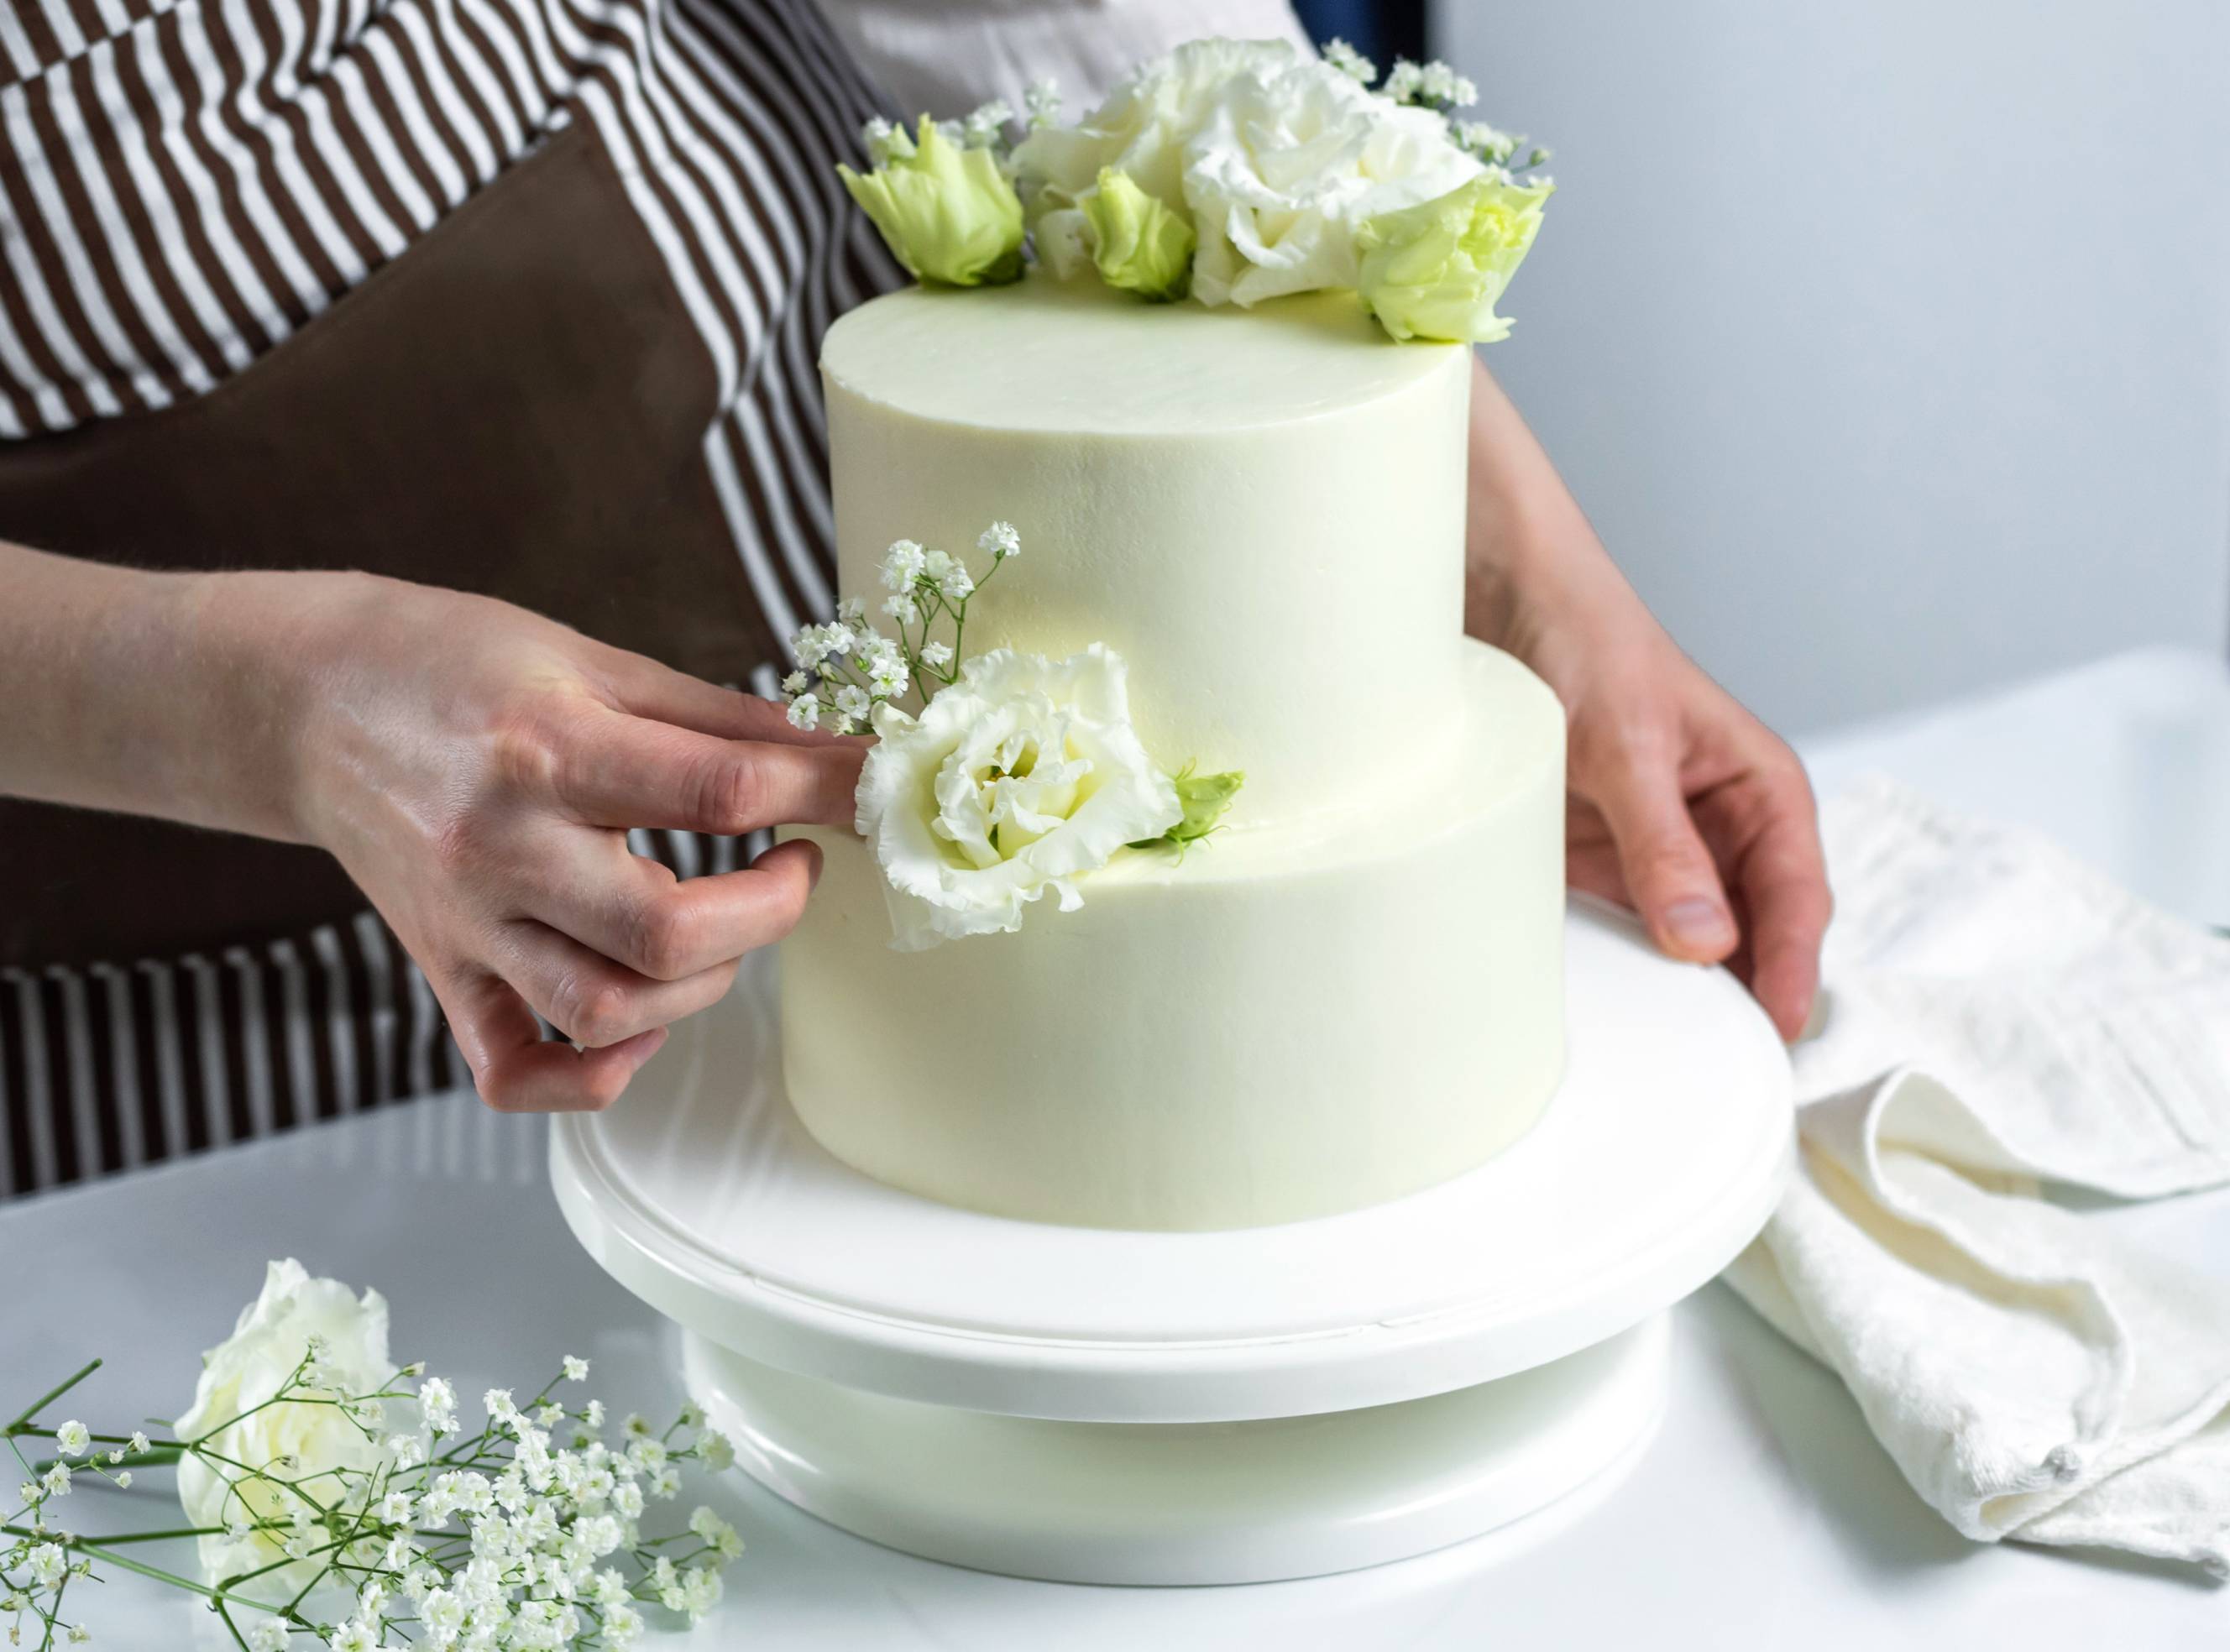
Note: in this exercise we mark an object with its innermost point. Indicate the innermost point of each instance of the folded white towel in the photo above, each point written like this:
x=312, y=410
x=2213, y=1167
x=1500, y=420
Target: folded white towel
x=1998, y=1017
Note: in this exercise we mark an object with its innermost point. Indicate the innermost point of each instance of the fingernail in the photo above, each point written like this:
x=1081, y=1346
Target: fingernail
x=1699, y=923
x=813, y=867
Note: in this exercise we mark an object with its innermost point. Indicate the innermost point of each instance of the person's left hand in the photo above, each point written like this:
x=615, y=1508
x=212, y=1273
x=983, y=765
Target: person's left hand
x=1683, y=807
x=1679, y=804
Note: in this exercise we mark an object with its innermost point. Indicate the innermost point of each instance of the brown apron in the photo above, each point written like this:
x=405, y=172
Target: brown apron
x=518, y=405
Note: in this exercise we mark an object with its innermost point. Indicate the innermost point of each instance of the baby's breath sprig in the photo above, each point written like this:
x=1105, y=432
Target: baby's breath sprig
x=847, y=668
x=1436, y=86
x=524, y=1536
x=985, y=126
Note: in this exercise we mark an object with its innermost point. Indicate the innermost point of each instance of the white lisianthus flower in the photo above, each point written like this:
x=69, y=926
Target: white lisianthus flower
x=1013, y=783
x=1140, y=130
x=1277, y=157
x=248, y=1370
x=1286, y=170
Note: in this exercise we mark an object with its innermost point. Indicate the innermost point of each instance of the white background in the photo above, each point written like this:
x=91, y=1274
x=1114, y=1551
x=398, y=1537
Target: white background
x=1888, y=344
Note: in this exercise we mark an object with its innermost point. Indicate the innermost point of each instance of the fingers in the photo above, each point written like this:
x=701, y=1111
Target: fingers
x=636, y=912
x=515, y=1069
x=611, y=769
x=1784, y=882
x=590, y=1000
x=1668, y=873
x=650, y=690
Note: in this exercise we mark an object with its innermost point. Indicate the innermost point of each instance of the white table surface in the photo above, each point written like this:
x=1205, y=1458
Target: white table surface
x=1762, y=1516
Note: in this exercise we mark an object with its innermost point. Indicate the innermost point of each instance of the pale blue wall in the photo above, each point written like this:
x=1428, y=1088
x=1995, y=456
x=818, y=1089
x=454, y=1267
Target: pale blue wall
x=1888, y=343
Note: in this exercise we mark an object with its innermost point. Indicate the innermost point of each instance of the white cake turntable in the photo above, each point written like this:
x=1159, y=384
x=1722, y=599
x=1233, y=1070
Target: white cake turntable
x=1195, y=1408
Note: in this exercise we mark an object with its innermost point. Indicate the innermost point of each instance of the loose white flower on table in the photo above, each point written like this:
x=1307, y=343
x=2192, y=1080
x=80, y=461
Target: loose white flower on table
x=1015, y=780
x=237, y=1414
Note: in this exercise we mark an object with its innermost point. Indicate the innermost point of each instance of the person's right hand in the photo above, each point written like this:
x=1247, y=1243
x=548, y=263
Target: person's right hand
x=475, y=768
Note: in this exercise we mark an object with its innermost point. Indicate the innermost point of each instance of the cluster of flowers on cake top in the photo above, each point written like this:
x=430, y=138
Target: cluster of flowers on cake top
x=338, y=1501
x=1018, y=775
x=1233, y=171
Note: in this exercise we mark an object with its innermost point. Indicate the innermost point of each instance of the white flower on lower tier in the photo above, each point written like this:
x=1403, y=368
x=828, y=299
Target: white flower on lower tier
x=248, y=1370
x=1015, y=780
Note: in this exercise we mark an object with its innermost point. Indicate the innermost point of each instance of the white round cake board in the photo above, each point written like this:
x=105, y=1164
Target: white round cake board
x=1658, y=1159
x=1314, y=1397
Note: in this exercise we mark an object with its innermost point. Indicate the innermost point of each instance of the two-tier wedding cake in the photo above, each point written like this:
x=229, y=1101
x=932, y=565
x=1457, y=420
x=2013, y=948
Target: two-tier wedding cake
x=1238, y=537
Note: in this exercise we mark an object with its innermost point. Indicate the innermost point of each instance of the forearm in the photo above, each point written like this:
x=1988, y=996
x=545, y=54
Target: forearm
x=1529, y=547
x=162, y=694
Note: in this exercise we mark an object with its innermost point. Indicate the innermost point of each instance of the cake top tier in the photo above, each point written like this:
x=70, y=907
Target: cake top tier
x=1053, y=356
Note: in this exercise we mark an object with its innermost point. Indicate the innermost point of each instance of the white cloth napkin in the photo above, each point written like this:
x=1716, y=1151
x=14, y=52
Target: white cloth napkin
x=1998, y=1016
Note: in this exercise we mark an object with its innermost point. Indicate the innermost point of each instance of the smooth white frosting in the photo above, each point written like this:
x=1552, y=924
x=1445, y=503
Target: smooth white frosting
x=1284, y=1024
x=1261, y=512
x=1356, y=990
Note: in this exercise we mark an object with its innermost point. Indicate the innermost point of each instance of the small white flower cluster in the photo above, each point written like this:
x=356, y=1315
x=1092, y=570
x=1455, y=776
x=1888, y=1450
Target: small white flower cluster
x=847, y=668
x=524, y=1537
x=36, y=1569
x=1436, y=86
x=982, y=127
x=1349, y=61
x=1042, y=103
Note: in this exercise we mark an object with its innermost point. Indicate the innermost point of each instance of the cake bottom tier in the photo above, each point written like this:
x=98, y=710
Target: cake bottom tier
x=1283, y=1024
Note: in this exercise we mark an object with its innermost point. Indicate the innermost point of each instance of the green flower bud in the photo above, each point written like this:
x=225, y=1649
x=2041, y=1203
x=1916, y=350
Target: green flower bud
x=1137, y=242
x=1204, y=799
x=948, y=214
x=1435, y=270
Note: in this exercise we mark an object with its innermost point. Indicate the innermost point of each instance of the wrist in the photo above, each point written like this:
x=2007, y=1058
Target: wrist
x=266, y=650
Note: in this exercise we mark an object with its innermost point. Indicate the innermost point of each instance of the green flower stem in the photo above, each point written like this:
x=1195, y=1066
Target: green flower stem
x=102, y=1549
x=48, y=1398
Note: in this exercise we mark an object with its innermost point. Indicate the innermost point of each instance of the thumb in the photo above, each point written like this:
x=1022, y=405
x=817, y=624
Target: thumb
x=1668, y=872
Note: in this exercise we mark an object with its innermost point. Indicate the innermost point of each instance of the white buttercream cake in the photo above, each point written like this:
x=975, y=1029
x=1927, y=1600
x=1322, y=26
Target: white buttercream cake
x=1353, y=989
